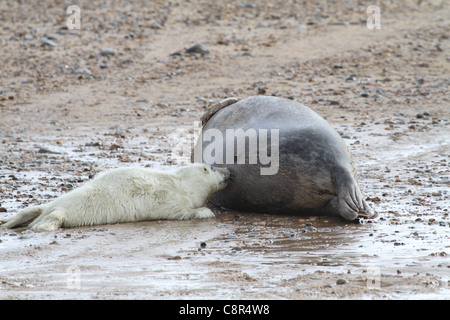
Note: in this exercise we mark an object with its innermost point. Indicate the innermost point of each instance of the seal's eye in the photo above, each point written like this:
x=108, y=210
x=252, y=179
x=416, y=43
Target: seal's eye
x=205, y=170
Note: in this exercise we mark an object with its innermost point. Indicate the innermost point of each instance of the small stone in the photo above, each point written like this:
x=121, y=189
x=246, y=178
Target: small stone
x=93, y=144
x=198, y=49
x=341, y=281
x=45, y=150
x=364, y=95
x=125, y=158
x=203, y=245
x=107, y=52
x=261, y=90
x=83, y=71
x=3, y=209
x=48, y=43
x=114, y=147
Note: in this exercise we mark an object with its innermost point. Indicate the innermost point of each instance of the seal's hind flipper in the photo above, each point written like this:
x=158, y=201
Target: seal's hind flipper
x=219, y=106
x=23, y=218
x=205, y=118
x=350, y=203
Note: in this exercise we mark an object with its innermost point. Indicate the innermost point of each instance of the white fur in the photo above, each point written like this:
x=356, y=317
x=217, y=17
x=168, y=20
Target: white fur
x=126, y=195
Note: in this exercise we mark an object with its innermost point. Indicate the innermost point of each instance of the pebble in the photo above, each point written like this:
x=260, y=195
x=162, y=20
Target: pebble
x=49, y=43
x=107, y=52
x=202, y=99
x=198, y=49
x=341, y=281
x=83, y=70
x=45, y=150
x=93, y=144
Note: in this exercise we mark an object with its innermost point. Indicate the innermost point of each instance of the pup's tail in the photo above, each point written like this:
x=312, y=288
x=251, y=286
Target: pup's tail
x=23, y=218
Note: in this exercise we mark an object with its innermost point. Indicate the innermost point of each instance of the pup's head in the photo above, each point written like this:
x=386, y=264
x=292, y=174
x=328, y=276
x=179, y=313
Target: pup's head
x=202, y=180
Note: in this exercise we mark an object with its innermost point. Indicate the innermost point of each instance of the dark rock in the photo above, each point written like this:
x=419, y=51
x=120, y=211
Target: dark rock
x=197, y=49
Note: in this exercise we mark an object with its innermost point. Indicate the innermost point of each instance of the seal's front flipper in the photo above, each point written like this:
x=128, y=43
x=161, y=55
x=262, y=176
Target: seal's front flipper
x=49, y=221
x=349, y=203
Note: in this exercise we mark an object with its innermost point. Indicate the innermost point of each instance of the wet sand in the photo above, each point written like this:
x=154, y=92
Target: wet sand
x=385, y=91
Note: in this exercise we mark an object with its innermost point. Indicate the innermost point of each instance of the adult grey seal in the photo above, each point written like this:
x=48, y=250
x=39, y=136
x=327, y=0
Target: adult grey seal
x=311, y=170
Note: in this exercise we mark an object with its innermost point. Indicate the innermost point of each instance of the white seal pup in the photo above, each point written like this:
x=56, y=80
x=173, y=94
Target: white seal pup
x=127, y=195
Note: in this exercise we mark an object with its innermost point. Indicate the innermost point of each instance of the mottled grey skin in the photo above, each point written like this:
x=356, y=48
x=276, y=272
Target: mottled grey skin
x=315, y=176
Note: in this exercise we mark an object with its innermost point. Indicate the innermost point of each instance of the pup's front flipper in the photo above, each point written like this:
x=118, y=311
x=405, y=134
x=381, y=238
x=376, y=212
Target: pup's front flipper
x=49, y=222
x=202, y=213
